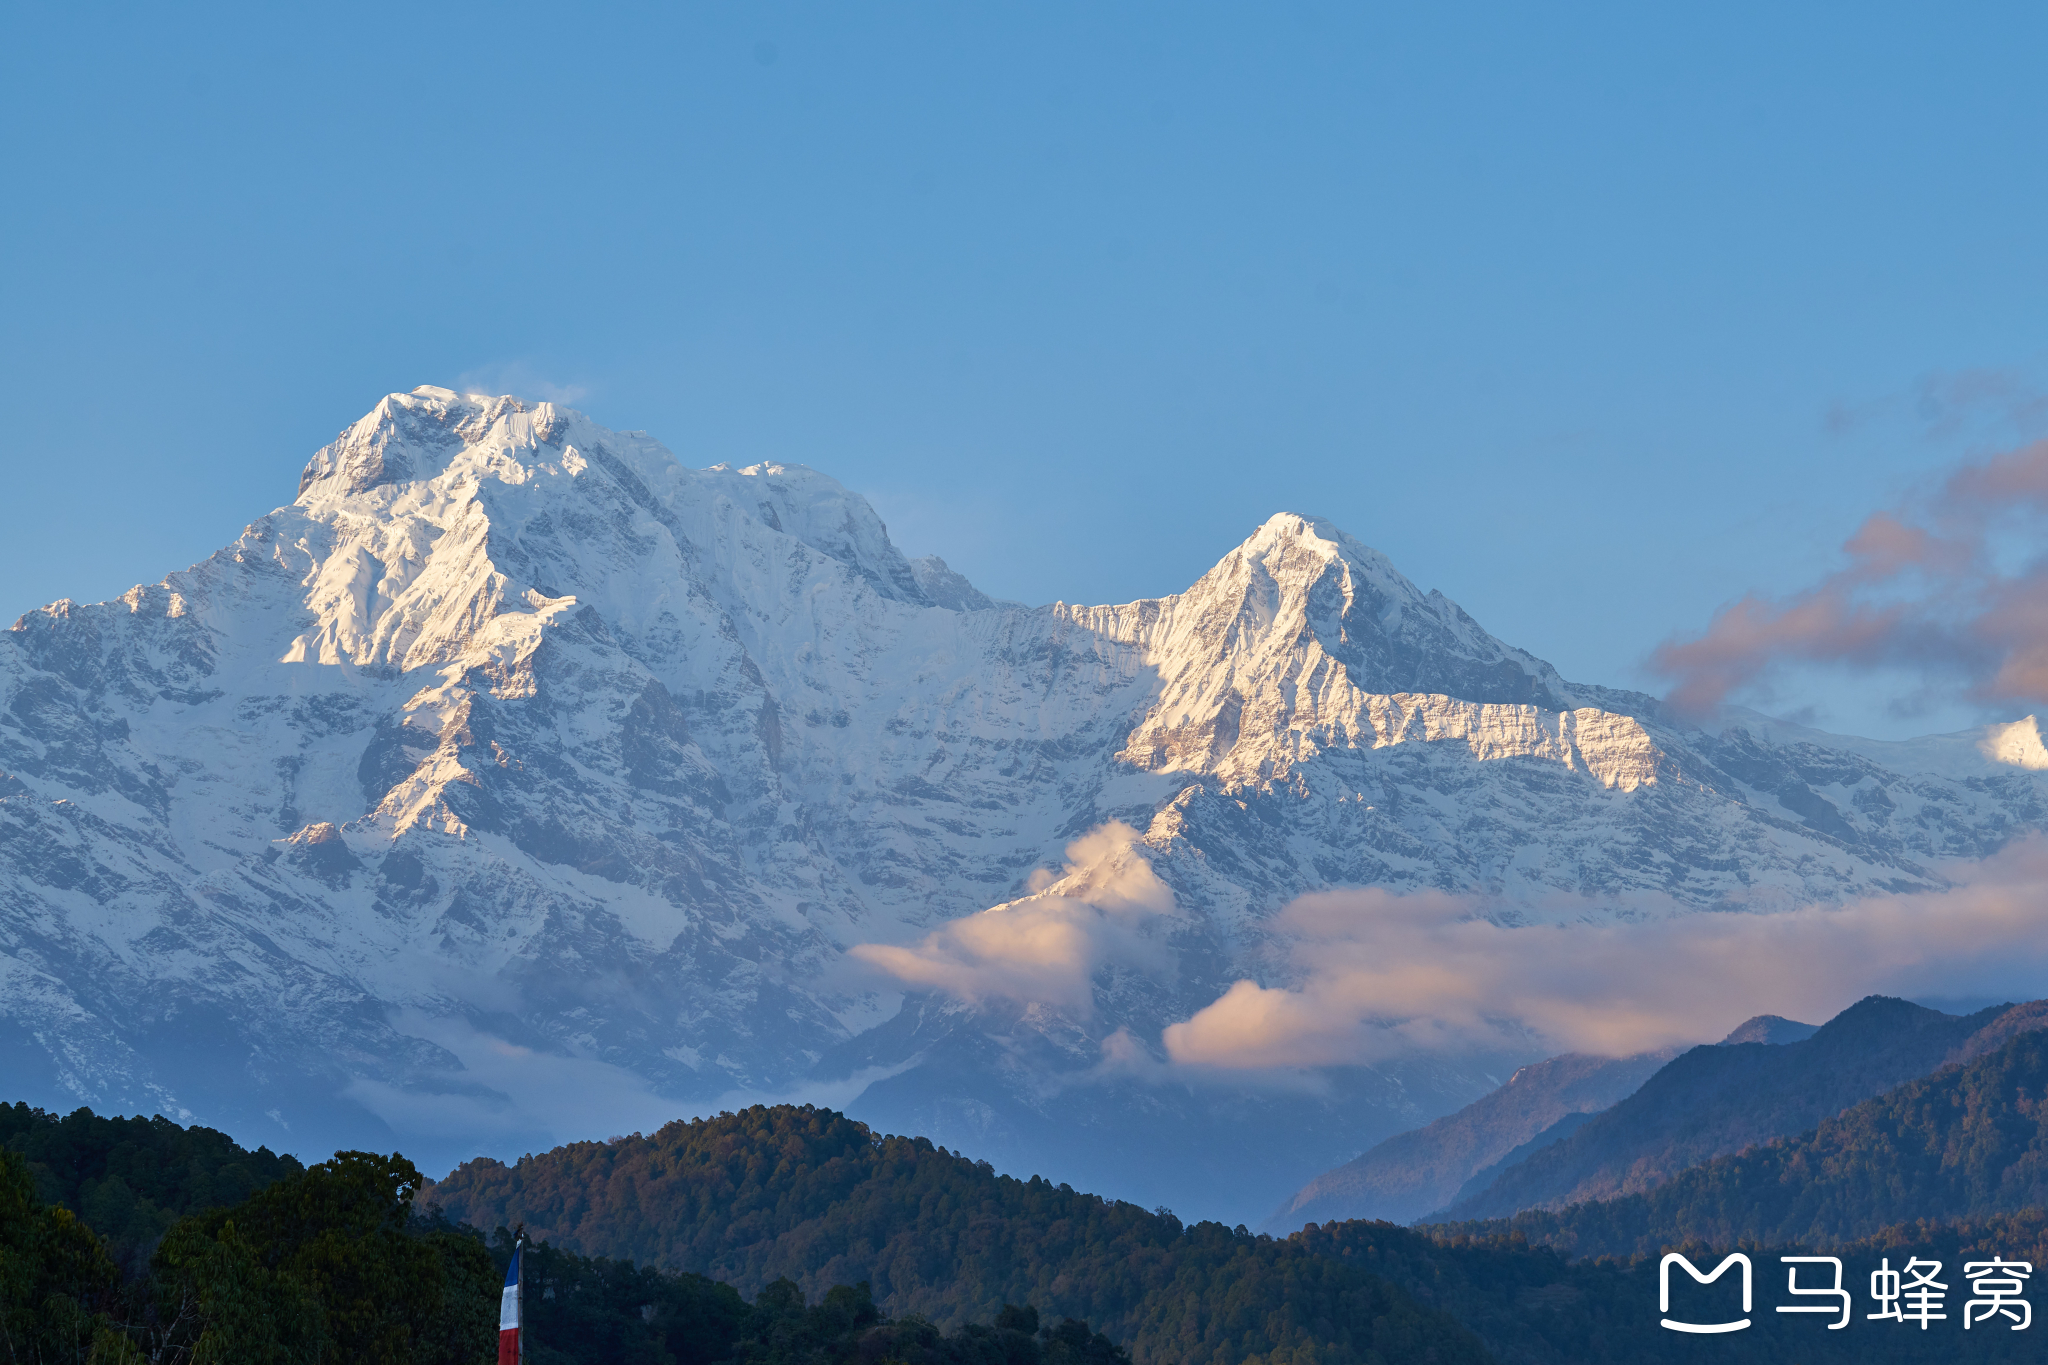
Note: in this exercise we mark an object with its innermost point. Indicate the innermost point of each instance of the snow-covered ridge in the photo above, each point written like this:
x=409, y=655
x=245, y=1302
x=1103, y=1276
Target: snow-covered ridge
x=1982, y=751
x=1302, y=639
x=513, y=726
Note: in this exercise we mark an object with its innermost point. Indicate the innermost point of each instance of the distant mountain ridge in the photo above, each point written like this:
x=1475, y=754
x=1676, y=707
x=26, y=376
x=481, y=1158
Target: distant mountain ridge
x=1414, y=1173
x=512, y=737
x=1657, y=1113
x=1774, y=1029
x=1711, y=1101
x=1967, y=1142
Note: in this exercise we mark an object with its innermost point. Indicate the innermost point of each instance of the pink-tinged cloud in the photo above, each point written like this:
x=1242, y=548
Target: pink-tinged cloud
x=1380, y=975
x=1922, y=590
x=1047, y=947
x=2016, y=477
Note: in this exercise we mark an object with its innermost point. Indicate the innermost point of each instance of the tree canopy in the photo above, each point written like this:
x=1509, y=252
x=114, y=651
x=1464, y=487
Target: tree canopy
x=813, y=1196
x=132, y=1178
x=341, y=1262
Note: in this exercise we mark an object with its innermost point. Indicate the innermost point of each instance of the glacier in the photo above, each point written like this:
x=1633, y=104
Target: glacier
x=517, y=783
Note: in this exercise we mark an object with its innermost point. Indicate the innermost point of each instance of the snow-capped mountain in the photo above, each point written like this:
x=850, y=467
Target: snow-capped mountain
x=515, y=754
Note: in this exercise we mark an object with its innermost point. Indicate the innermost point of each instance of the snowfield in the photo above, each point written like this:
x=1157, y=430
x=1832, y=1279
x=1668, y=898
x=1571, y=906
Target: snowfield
x=517, y=783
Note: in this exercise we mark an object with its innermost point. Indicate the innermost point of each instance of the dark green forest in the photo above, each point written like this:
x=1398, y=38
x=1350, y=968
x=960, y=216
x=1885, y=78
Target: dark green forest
x=131, y=1179
x=1969, y=1141
x=816, y=1197
x=825, y=1244
x=1532, y=1306
x=334, y=1265
x=812, y=1195
x=327, y=1264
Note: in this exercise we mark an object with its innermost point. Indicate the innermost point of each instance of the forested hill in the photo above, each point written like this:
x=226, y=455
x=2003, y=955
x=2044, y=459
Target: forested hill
x=130, y=1179
x=1970, y=1141
x=336, y=1263
x=810, y=1194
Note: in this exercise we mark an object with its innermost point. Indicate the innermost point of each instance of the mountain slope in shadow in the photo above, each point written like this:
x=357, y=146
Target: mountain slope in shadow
x=1969, y=1142
x=1414, y=1172
x=1711, y=1101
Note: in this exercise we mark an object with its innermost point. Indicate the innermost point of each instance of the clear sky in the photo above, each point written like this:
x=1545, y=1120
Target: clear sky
x=1593, y=316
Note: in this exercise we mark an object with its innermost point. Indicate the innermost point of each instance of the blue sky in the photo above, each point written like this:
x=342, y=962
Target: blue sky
x=1593, y=317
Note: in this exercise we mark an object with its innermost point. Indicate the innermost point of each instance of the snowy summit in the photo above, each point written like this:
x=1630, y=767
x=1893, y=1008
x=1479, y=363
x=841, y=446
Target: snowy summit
x=515, y=754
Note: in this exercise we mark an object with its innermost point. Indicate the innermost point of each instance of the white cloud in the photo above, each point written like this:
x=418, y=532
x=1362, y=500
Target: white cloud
x=505, y=1092
x=1046, y=947
x=504, y=1098
x=1380, y=974
x=519, y=379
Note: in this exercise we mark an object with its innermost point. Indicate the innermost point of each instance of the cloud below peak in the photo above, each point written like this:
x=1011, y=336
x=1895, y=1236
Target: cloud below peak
x=1045, y=948
x=1380, y=975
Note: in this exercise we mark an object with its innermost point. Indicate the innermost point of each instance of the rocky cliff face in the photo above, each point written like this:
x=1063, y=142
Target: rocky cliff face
x=514, y=758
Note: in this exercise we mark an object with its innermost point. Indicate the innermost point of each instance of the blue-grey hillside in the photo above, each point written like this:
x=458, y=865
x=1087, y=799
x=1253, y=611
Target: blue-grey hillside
x=1910, y=1167
x=1420, y=1171
x=1712, y=1101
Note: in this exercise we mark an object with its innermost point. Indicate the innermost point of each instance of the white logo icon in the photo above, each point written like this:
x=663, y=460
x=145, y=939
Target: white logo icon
x=1664, y=1290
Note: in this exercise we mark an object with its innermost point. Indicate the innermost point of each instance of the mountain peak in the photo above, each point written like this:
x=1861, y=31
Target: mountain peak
x=1303, y=637
x=1774, y=1030
x=1305, y=577
x=411, y=437
x=435, y=436
x=1294, y=526
x=622, y=758
x=1318, y=536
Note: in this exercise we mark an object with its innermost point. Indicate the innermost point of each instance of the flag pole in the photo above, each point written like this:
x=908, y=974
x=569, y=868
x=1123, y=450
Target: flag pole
x=512, y=1303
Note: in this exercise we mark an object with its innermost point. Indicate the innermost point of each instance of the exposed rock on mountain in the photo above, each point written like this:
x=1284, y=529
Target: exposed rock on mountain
x=948, y=589
x=516, y=780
